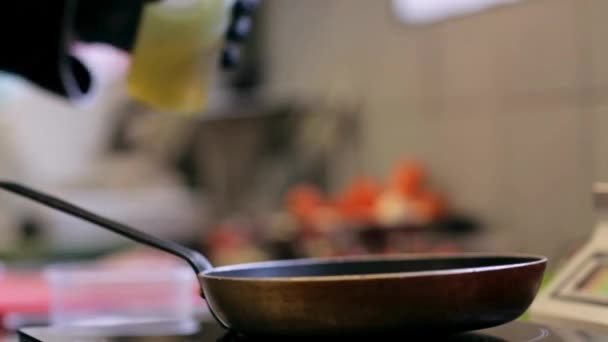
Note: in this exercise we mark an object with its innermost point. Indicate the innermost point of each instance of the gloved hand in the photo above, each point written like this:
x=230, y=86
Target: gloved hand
x=239, y=29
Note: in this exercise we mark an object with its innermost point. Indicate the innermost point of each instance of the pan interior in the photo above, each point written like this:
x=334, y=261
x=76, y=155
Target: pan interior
x=363, y=267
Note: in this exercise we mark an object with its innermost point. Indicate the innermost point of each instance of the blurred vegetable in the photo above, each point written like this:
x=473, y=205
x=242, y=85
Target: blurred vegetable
x=404, y=214
x=303, y=200
x=359, y=199
x=429, y=206
x=392, y=209
x=405, y=200
x=408, y=178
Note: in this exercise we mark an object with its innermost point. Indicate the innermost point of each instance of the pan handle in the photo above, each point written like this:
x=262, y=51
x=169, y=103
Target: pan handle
x=198, y=262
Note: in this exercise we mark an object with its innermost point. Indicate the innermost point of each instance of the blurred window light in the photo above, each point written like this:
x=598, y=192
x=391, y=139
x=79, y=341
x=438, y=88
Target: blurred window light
x=427, y=11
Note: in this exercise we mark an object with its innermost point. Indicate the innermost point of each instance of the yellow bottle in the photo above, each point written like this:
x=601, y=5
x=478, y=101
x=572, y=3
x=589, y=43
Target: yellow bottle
x=176, y=51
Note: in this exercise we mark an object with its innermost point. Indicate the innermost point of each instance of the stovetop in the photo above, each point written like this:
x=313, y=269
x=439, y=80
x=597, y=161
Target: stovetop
x=209, y=331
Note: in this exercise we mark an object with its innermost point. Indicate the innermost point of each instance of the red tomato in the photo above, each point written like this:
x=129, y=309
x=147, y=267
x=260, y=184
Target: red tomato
x=358, y=200
x=303, y=200
x=408, y=178
x=226, y=239
x=429, y=206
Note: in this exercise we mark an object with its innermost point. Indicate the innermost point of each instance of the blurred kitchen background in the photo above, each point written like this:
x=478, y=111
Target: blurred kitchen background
x=351, y=126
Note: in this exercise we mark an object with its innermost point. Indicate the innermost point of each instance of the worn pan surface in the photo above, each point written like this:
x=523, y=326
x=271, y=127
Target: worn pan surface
x=442, y=294
x=362, y=295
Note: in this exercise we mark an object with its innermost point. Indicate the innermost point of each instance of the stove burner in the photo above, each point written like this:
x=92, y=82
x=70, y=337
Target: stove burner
x=476, y=338
x=543, y=333
x=519, y=332
x=458, y=338
x=209, y=331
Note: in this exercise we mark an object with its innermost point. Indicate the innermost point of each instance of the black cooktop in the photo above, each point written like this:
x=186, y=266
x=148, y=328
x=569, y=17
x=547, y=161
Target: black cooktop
x=209, y=331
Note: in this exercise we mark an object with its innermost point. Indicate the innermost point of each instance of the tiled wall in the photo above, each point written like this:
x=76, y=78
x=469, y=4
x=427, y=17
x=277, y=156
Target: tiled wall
x=508, y=107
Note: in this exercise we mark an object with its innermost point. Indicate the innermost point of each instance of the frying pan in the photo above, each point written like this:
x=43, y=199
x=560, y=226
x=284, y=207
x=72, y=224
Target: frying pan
x=350, y=295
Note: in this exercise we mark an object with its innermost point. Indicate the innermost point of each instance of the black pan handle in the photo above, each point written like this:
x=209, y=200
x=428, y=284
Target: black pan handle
x=198, y=262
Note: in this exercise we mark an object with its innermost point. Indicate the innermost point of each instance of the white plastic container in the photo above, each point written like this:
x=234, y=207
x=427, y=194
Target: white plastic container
x=85, y=294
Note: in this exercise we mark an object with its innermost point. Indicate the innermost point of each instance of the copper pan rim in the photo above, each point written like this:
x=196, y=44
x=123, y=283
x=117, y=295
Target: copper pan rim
x=525, y=261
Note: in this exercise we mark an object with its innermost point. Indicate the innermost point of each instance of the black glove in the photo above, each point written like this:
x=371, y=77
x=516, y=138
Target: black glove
x=241, y=22
x=36, y=36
